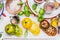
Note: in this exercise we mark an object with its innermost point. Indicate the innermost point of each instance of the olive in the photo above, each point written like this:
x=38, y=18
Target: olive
x=15, y=20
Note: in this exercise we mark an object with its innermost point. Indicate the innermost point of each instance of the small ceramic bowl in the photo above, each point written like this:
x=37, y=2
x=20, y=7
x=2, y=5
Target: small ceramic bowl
x=12, y=6
x=15, y=20
x=39, y=1
x=48, y=7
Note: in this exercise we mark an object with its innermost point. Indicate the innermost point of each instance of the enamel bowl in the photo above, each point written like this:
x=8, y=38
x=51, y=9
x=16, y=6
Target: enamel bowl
x=2, y=9
x=12, y=6
x=54, y=12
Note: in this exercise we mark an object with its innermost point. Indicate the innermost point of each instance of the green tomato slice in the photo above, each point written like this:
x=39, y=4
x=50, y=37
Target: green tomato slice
x=18, y=31
x=9, y=29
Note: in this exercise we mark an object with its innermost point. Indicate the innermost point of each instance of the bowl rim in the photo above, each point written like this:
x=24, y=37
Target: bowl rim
x=36, y=14
x=2, y=9
x=8, y=9
x=39, y=2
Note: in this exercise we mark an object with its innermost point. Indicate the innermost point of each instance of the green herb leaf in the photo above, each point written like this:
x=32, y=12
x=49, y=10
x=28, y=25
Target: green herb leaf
x=40, y=19
x=34, y=6
x=26, y=10
x=41, y=14
x=1, y=5
x=0, y=35
x=20, y=13
x=20, y=3
x=27, y=13
x=41, y=11
x=0, y=18
x=26, y=33
x=26, y=7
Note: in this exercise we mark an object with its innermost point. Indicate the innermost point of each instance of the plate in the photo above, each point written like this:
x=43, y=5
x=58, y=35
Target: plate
x=55, y=12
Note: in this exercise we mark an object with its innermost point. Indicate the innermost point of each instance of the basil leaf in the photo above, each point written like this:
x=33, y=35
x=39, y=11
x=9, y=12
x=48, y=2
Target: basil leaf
x=40, y=19
x=26, y=7
x=1, y=5
x=27, y=13
x=0, y=35
x=20, y=3
x=26, y=33
x=34, y=6
x=42, y=11
x=21, y=13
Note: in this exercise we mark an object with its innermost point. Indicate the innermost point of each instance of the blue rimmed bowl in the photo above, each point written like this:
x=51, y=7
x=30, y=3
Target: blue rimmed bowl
x=2, y=9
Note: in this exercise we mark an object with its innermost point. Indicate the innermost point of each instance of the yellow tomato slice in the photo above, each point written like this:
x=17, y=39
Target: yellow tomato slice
x=35, y=30
x=27, y=23
x=54, y=22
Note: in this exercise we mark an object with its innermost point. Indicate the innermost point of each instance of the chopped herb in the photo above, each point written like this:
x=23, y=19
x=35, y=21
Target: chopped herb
x=26, y=33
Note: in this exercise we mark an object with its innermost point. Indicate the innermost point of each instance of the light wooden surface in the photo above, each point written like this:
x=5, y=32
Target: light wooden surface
x=33, y=39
